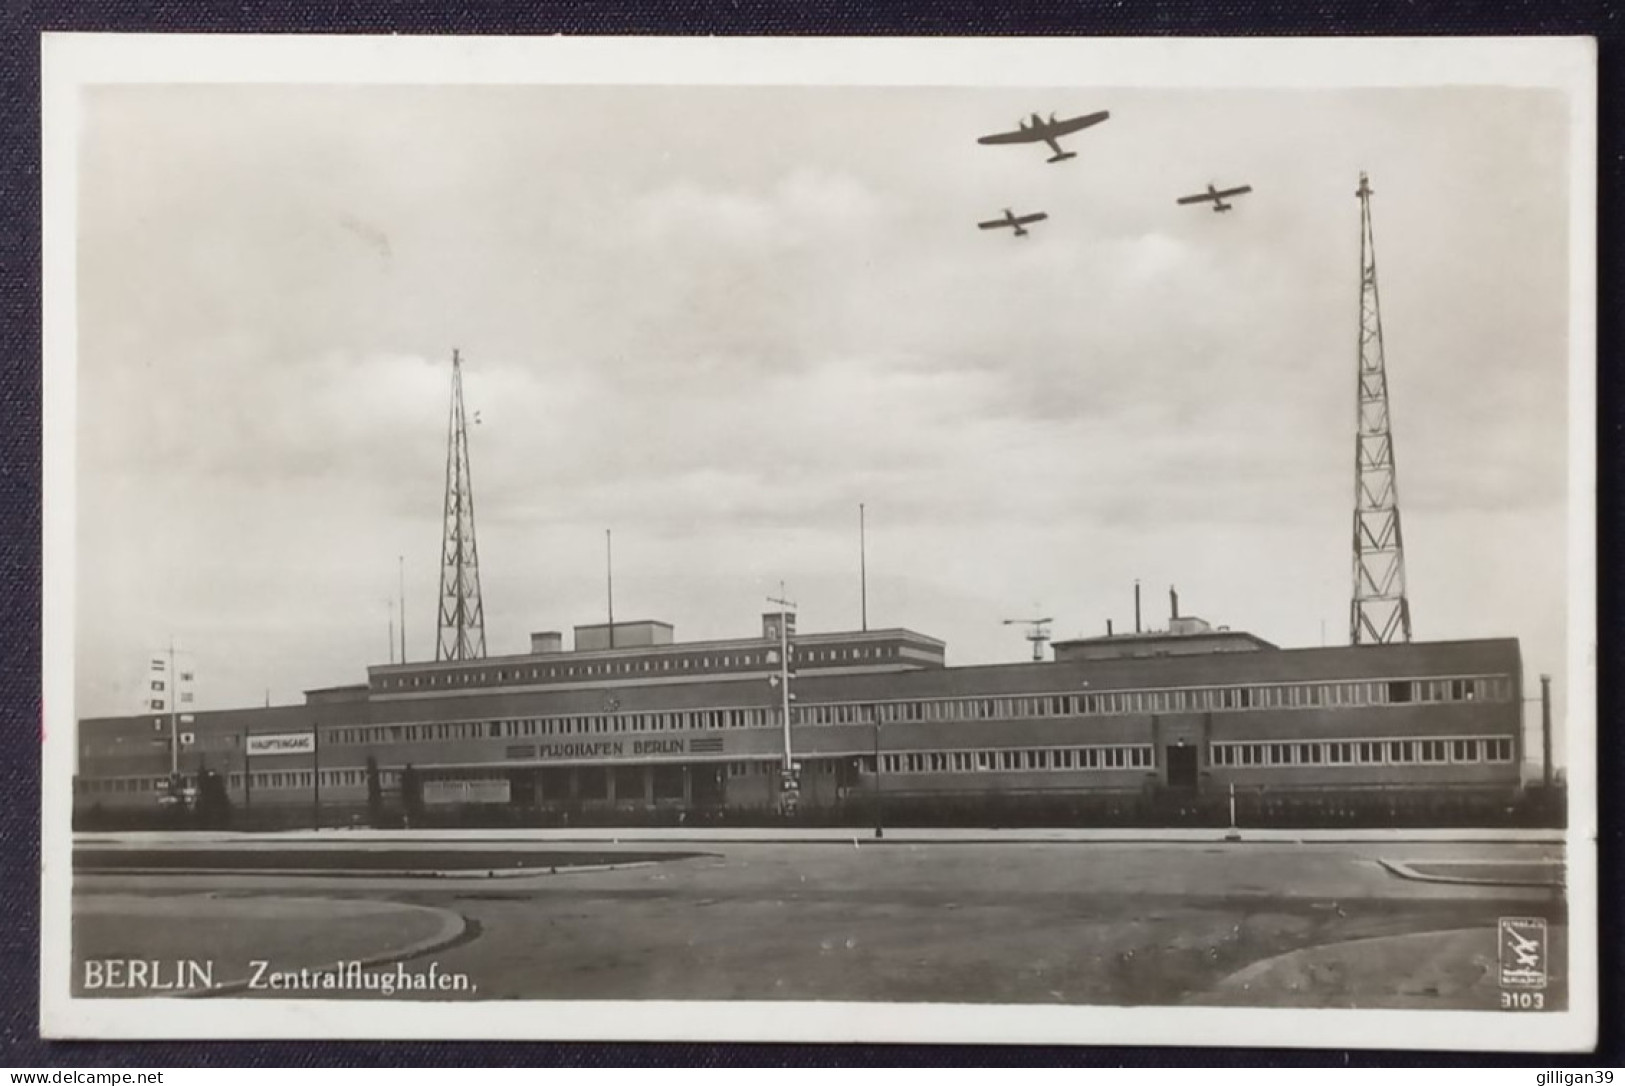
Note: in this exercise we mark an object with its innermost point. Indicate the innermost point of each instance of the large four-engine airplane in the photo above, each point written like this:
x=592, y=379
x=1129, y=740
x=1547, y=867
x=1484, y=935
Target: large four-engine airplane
x=1013, y=221
x=1216, y=195
x=1036, y=129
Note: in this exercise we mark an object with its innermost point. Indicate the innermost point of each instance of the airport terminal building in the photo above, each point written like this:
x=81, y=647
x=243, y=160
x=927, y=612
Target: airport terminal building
x=631, y=724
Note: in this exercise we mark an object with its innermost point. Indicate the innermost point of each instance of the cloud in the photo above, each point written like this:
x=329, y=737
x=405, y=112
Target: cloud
x=719, y=346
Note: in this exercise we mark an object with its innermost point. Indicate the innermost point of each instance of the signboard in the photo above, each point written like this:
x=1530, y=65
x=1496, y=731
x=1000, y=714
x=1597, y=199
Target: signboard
x=283, y=743
x=594, y=750
x=470, y=791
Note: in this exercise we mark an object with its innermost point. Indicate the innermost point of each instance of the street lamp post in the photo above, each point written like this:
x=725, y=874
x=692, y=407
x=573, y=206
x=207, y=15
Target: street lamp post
x=874, y=717
x=1232, y=834
x=789, y=785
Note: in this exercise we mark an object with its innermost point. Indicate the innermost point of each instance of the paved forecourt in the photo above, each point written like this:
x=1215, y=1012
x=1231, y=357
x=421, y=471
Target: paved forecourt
x=1016, y=921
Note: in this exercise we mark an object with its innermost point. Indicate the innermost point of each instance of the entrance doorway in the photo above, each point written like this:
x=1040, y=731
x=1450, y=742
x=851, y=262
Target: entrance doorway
x=706, y=784
x=1181, y=767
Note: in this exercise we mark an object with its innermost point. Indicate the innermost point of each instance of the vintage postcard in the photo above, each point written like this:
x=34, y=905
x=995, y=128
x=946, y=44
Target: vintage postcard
x=820, y=540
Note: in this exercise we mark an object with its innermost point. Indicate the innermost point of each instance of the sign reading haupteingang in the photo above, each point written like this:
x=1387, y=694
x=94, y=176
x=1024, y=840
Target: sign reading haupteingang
x=282, y=743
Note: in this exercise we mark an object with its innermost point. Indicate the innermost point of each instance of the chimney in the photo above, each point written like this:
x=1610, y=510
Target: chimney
x=1173, y=601
x=1136, y=606
x=1108, y=627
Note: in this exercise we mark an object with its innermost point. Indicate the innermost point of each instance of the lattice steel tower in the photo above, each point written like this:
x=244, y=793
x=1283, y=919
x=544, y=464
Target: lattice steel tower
x=1379, y=613
x=462, y=615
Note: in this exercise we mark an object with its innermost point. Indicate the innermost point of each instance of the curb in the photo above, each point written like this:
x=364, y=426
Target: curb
x=453, y=926
x=384, y=873
x=1405, y=871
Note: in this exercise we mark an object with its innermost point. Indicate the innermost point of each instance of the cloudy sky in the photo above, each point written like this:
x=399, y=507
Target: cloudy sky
x=717, y=319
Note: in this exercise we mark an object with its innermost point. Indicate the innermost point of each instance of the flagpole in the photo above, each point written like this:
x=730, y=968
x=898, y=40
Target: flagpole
x=174, y=727
x=863, y=568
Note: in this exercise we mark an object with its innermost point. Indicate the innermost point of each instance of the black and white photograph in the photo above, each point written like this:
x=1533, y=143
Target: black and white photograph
x=1020, y=541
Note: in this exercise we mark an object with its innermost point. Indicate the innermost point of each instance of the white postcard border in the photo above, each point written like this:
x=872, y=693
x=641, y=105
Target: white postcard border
x=70, y=62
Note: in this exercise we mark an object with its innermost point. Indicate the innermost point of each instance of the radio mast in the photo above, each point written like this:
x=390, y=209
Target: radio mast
x=462, y=615
x=1380, y=613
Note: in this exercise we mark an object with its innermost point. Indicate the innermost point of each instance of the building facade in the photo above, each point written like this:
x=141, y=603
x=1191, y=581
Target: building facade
x=632, y=723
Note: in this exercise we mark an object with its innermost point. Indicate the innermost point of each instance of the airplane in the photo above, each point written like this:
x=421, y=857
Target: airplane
x=1216, y=195
x=1015, y=221
x=1035, y=130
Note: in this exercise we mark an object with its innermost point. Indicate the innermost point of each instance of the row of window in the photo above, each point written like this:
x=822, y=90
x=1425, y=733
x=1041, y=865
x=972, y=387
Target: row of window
x=821, y=768
x=136, y=745
x=1106, y=703
x=648, y=665
x=1305, y=695
x=1013, y=761
x=1366, y=752
x=597, y=724
x=269, y=780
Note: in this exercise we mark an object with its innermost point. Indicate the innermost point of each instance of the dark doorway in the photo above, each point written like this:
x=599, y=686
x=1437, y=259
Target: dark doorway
x=522, y=787
x=592, y=782
x=1182, y=767
x=629, y=784
x=668, y=782
x=554, y=784
x=706, y=782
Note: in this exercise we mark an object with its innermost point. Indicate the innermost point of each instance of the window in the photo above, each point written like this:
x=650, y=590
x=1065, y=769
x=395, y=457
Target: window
x=1399, y=691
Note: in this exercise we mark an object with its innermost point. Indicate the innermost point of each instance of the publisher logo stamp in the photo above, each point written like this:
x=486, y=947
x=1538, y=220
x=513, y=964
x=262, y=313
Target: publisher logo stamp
x=1523, y=952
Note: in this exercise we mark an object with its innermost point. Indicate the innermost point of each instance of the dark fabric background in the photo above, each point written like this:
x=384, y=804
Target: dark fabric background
x=21, y=22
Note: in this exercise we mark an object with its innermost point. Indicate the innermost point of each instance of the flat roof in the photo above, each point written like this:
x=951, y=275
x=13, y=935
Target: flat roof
x=1165, y=635
x=675, y=647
